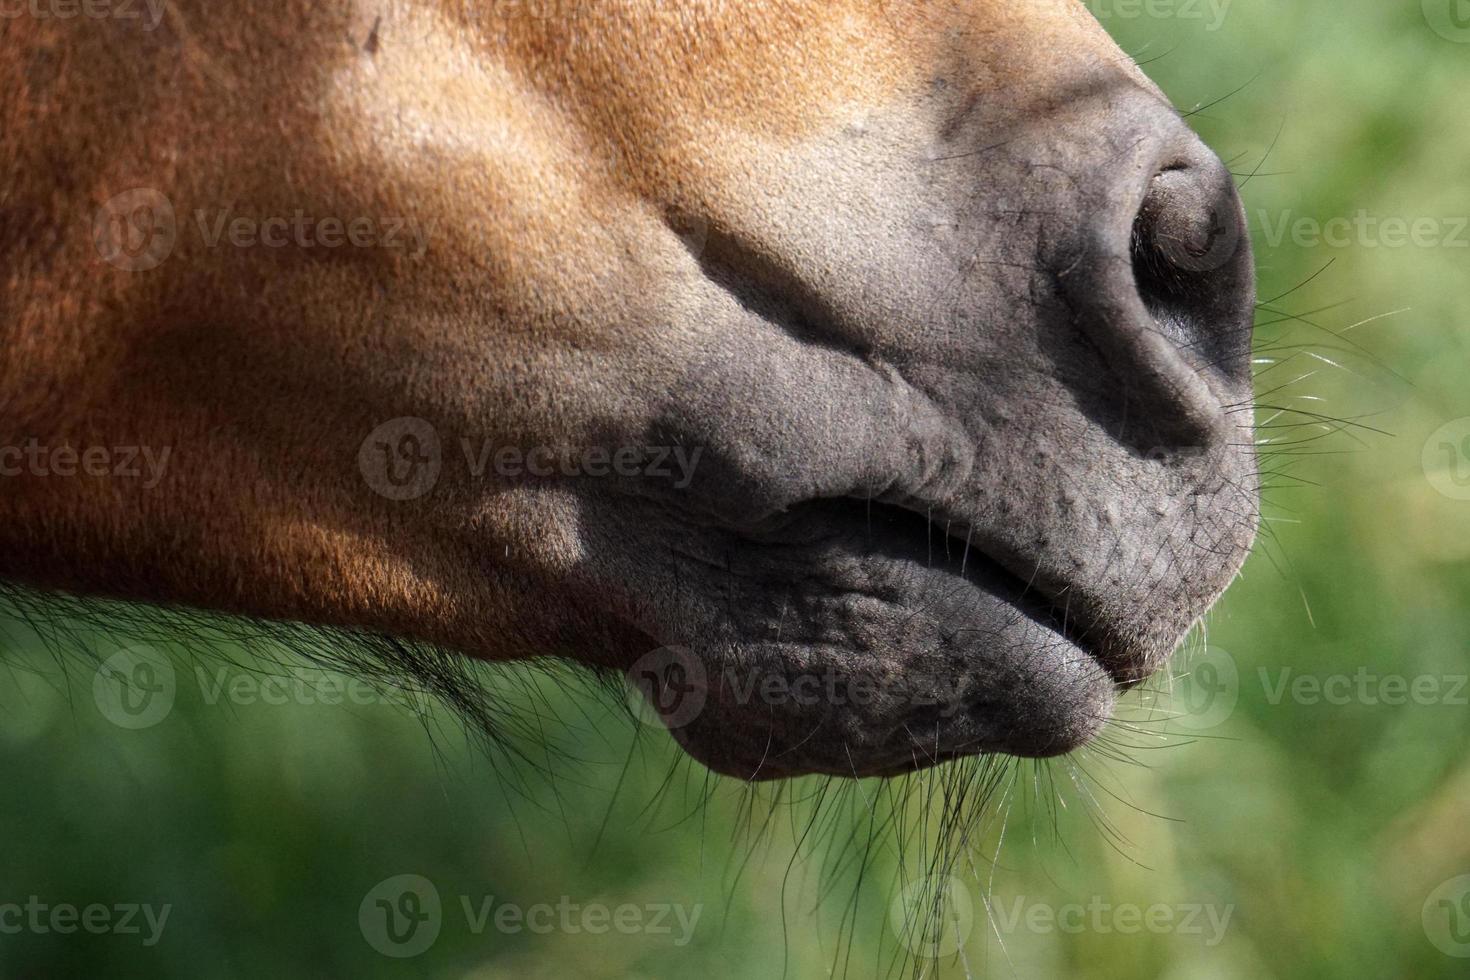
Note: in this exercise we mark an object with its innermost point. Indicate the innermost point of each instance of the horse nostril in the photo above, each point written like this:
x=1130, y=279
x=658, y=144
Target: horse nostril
x=1187, y=228
x=1158, y=277
x=1191, y=258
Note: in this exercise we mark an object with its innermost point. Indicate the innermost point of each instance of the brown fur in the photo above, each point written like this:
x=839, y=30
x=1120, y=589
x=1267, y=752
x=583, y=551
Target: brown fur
x=550, y=156
x=541, y=129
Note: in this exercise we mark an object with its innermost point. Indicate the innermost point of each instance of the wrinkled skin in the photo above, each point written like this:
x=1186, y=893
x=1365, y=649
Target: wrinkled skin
x=952, y=304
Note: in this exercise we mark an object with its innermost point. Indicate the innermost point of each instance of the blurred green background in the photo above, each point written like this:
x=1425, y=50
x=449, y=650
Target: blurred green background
x=1305, y=815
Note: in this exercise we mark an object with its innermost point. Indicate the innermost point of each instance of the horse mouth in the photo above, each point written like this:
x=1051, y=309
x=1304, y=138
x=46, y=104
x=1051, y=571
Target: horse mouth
x=956, y=549
x=1057, y=635
x=969, y=646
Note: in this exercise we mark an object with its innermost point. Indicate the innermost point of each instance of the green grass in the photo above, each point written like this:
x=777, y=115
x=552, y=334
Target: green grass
x=1321, y=829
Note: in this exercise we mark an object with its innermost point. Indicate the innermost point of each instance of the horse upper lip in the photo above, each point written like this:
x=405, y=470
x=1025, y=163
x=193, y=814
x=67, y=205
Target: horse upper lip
x=963, y=544
x=1054, y=607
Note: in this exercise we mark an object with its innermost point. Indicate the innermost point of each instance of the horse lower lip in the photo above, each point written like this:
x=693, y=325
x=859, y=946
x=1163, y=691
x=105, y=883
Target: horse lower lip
x=939, y=654
x=954, y=546
x=1055, y=612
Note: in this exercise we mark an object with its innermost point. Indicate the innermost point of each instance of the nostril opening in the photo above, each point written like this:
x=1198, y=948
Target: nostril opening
x=1191, y=259
x=1187, y=229
x=1165, y=288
